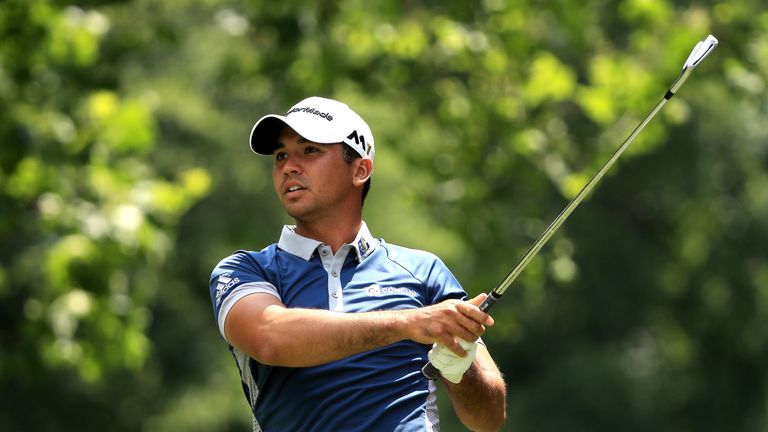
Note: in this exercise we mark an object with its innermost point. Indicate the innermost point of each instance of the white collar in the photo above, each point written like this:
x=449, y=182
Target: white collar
x=304, y=247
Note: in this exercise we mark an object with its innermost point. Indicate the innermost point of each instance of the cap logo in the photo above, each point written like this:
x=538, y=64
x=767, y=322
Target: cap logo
x=359, y=140
x=310, y=110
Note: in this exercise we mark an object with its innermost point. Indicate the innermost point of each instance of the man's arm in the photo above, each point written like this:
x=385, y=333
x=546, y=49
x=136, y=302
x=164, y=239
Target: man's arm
x=261, y=326
x=480, y=398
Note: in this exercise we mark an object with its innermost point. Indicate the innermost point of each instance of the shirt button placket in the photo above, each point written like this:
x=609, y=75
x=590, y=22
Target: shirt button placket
x=332, y=265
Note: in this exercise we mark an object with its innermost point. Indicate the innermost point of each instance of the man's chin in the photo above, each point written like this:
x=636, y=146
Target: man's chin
x=297, y=212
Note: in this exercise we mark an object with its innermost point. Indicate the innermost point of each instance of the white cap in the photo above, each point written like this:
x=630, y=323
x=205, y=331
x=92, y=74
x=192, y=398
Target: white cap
x=317, y=119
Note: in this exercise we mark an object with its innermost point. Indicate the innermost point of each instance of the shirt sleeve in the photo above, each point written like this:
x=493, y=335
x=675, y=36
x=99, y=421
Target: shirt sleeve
x=234, y=278
x=442, y=285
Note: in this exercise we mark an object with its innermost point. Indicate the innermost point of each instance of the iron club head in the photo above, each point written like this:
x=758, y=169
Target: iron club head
x=701, y=50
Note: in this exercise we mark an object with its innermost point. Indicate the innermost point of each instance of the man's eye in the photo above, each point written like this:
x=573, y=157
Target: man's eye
x=311, y=150
x=280, y=156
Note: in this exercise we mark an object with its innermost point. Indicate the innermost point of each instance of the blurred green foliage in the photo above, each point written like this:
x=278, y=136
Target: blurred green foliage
x=125, y=176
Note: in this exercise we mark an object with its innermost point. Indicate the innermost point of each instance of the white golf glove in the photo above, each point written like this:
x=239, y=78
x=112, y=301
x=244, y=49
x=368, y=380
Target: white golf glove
x=451, y=366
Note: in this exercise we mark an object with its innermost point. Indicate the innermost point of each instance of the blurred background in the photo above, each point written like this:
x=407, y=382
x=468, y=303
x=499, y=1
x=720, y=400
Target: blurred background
x=125, y=176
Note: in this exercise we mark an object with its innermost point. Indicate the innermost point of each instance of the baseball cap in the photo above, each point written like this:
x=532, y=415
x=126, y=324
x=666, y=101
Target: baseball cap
x=317, y=119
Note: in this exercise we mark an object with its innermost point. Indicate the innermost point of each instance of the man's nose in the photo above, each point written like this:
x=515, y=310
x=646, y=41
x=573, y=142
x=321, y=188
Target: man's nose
x=291, y=166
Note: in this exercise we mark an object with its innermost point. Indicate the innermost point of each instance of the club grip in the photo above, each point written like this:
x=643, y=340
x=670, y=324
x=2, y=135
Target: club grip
x=431, y=372
x=489, y=301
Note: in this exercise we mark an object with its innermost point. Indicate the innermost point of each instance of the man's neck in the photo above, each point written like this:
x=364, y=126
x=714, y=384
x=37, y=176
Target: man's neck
x=334, y=233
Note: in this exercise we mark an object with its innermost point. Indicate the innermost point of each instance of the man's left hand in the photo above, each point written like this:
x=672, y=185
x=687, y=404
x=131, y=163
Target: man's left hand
x=451, y=366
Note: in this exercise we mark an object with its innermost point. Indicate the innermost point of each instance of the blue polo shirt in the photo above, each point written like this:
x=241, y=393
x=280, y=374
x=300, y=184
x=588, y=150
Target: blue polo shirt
x=377, y=390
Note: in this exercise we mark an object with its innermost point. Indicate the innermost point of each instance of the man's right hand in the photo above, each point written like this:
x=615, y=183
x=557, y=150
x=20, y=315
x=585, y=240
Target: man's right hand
x=447, y=322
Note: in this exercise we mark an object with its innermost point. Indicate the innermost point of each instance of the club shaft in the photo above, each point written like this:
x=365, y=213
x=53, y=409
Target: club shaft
x=497, y=292
x=432, y=372
x=558, y=221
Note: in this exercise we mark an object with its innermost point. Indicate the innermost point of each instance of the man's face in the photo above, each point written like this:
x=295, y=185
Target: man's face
x=312, y=180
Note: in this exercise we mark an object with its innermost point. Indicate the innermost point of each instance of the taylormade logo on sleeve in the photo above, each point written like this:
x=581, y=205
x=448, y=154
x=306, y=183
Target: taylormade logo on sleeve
x=310, y=110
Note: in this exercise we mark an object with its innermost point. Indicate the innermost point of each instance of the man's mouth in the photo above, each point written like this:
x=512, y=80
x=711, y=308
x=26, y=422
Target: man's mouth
x=293, y=188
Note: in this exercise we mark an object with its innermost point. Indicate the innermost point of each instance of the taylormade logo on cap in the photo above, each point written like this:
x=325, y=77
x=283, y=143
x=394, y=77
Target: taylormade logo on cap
x=311, y=111
x=317, y=119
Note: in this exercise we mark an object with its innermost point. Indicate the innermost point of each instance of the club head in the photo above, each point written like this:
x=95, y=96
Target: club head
x=701, y=50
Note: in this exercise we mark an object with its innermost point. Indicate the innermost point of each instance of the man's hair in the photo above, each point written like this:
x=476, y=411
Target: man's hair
x=349, y=156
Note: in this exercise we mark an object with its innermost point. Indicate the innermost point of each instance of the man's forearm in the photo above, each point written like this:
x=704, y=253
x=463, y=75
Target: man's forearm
x=480, y=398
x=308, y=337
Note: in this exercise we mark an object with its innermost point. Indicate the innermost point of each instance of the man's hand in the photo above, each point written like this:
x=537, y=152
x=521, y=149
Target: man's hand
x=448, y=322
x=451, y=366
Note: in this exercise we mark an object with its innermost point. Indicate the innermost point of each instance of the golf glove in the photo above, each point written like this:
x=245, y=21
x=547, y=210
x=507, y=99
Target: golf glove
x=451, y=366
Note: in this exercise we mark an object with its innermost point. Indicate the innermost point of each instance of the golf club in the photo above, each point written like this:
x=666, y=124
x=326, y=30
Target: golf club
x=699, y=52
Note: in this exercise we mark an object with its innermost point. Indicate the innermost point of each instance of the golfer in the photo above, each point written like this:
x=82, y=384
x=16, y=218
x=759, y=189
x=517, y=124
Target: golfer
x=330, y=326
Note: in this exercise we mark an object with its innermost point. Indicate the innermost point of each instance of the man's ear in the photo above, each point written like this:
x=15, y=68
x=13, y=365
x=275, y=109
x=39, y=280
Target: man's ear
x=363, y=171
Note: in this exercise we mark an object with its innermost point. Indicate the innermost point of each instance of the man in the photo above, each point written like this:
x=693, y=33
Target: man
x=331, y=326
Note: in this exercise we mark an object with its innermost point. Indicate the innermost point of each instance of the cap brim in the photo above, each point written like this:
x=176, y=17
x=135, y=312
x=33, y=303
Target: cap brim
x=265, y=132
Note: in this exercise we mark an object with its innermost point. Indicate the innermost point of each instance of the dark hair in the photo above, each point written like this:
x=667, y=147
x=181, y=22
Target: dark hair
x=349, y=156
